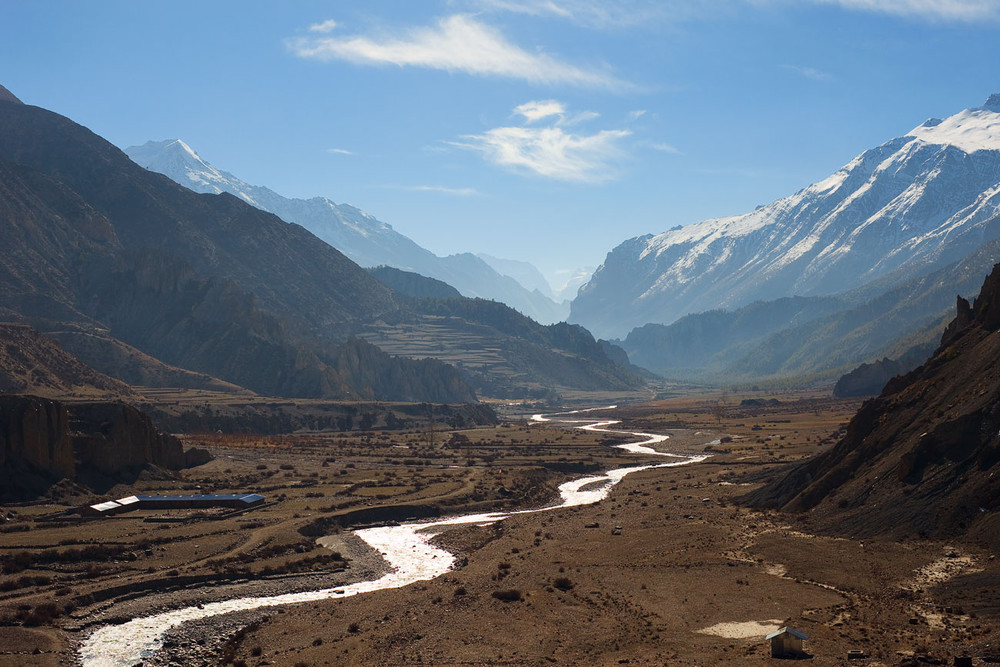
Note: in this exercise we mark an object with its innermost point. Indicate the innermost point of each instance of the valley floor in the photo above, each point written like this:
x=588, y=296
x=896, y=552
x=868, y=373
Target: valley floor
x=667, y=570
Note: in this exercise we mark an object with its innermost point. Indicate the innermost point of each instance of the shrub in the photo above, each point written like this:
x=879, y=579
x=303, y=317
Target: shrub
x=511, y=595
x=563, y=583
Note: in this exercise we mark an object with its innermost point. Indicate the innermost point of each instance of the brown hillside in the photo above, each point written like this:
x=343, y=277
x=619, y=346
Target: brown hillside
x=924, y=457
x=35, y=364
x=117, y=359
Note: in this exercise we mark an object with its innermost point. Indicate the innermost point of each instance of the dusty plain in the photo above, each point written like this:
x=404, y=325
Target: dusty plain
x=668, y=570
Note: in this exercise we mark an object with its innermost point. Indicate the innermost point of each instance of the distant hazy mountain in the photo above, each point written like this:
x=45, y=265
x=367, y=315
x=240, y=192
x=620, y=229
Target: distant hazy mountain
x=365, y=239
x=914, y=203
x=525, y=273
x=571, y=282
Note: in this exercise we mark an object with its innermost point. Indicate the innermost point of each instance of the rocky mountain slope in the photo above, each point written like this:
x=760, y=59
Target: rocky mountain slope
x=922, y=458
x=413, y=284
x=913, y=204
x=365, y=239
x=98, y=349
x=31, y=363
x=208, y=283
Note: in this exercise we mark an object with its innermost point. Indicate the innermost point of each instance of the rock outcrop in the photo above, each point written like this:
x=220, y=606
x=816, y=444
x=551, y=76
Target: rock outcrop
x=35, y=431
x=923, y=458
x=113, y=437
x=43, y=441
x=869, y=379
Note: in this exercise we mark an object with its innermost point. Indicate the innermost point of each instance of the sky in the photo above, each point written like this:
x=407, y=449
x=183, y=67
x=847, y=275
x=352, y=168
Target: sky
x=547, y=131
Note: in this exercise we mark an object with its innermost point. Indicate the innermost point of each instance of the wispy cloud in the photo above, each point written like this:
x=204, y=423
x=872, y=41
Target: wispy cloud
x=339, y=151
x=601, y=13
x=665, y=148
x=539, y=109
x=631, y=13
x=578, y=118
x=809, y=72
x=637, y=114
x=536, y=110
x=458, y=43
x=550, y=151
x=944, y=10
x=323, y=26
x=441, y=189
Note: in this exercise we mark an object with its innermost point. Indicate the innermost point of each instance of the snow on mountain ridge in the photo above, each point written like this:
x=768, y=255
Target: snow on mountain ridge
x=362, y=237
x=970, y=130
x=895, y=207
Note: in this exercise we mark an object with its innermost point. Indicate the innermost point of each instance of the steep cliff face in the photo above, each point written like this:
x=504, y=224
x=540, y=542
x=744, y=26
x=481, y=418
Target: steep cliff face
x=112, y=437
x=43, y=441
x=35, y=431
x=923, y=457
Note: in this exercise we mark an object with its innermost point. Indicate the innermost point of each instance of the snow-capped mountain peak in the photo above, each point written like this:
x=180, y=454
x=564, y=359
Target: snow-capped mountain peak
x=899, y=209
x=176, y=159
x=970, y=130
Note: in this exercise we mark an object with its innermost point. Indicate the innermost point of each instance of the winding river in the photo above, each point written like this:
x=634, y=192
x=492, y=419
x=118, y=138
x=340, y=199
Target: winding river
x=405, y=547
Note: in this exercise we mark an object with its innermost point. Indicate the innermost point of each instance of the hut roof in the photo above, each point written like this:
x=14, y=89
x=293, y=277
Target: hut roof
x=792, y=631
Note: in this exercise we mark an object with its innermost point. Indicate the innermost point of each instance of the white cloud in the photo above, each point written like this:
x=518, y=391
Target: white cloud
x=340, y=151
x=461, y=192
x=637, y=114
x=665, y=148
x=948, y=10
x=324, y=26
x=604, y=14
x=631, y=13
x=550, y=151
x=536, y=110
x=577, y=118
x=456, y=43
x=809, y=72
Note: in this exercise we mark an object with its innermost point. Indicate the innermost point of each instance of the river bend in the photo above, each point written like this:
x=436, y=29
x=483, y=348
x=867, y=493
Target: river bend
x=405, y=547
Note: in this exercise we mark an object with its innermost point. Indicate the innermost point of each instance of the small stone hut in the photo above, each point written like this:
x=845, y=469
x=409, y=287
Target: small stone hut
x=787, y=643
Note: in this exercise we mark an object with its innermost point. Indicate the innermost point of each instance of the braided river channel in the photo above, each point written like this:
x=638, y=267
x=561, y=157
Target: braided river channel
x=406, y=547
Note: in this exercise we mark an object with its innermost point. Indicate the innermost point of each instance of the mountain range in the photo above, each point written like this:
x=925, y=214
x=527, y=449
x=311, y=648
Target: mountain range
x=811, y=338
x=152, y=282
x=914, y=204
x=365, y=239
x=94, y=242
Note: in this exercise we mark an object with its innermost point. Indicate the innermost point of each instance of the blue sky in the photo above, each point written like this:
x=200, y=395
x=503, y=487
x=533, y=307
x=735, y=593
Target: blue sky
x=542, y=130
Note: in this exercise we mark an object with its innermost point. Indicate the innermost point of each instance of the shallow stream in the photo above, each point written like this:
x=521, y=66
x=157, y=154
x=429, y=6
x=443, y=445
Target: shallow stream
x=405, y=547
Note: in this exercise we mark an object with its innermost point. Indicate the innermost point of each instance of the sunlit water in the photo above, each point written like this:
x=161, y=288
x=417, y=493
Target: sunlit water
x=405, y=547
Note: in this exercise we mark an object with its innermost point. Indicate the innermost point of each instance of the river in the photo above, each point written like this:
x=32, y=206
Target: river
x=405, y=547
